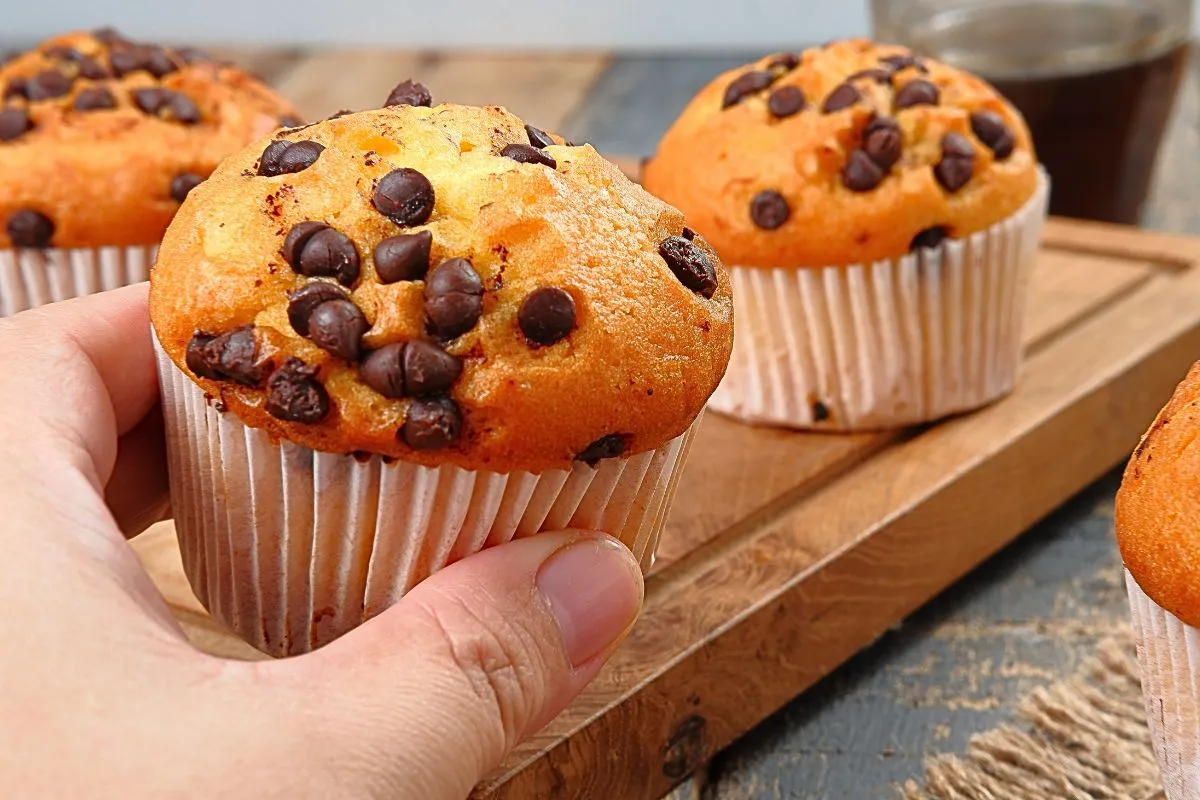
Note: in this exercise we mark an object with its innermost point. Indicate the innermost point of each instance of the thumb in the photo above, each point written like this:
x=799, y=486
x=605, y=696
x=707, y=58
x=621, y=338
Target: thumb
x=426, y=698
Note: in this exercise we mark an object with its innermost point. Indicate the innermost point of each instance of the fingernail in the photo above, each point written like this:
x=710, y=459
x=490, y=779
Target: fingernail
x=594, y=590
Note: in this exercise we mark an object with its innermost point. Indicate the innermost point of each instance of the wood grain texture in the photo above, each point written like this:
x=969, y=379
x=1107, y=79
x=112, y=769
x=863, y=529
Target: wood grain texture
x=787, y=553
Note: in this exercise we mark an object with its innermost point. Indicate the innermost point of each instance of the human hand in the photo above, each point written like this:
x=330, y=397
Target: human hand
x=103, y=696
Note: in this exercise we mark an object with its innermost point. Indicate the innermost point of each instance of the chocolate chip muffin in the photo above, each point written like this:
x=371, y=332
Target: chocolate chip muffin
x=101, y=138
x=440, y=328
x=880, y=212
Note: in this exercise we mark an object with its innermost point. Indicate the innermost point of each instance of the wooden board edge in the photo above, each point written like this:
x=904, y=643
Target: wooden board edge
x=667, y=714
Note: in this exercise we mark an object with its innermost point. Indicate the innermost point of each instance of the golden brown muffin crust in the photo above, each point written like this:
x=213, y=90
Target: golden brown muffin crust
x=108, y=175
x=1158, y=506
x=632, y=372
x=764, y=171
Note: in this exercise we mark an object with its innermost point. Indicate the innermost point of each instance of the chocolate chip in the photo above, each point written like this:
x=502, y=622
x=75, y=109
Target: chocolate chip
x=688, y=233
x=16, y=87
x=304, y=301
x=409, y=93
x=537, y=137
x=404, y=196
x=283, y=157
x=158, y=62
x=231, y=356
x=108, y=36
x=291, y=121
x=47, y=84
x=192, y=55
x=994, y=132
x=337, y=327
x=403, y=258
x=268, y=162
x=876, y=74
x=167, y=104
x=125, y=60
x=917, y=93
x=882, y=142
x=432, y=424
x=786, y=61
x=861, y=173
x=527, y=154
x=324, y=252
x=183, y=109
x=60, y=52
x=820, y=411
x=957, y=164
x=29, y=228
x=150, y=100
x=295, y=395
x=843, y=96
x=547, y=315
x=769, y=210
x=690, y=264
x=383, y=370
x=745, y=85
x=609, y=446
x=14, y=122
x=96, y=98
x=929, y=238
x=92, y=69
x=428, y=369
x=453, y=298
x=182, y=185
x=786, y=101
x=899, y=62
x=298, y=236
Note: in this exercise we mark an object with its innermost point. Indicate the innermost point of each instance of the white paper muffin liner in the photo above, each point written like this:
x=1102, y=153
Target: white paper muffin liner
x=32, y=277
x=885, y=344
x=291, y=547
x=1169, y=656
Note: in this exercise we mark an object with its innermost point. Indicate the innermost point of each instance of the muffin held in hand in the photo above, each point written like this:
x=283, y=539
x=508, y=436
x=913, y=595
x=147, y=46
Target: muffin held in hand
x=396, y=337
x=1158, y=529
x=101, y=138
x=881, y=213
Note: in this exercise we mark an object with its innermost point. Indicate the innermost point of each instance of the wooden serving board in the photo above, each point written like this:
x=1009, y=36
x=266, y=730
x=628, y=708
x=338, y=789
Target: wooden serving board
x=786, y=553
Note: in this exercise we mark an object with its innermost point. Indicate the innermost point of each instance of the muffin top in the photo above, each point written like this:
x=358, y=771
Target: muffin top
x=101, y=137
x=1158, y=506
x=443, y=285
x=843, y=154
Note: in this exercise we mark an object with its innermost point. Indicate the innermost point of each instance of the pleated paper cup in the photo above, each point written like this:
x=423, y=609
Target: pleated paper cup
x=32, y=277
x=1169, y=656
x=291, y=547
x=886, y=344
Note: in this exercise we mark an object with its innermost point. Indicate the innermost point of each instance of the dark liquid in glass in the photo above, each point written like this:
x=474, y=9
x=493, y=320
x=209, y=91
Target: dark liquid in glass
x=1095, y=80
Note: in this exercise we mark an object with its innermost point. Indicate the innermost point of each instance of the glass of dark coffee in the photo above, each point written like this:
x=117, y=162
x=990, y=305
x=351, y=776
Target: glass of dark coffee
x=1095, y=79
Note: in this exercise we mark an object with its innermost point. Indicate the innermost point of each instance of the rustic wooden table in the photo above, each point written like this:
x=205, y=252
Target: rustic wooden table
x=953, y=669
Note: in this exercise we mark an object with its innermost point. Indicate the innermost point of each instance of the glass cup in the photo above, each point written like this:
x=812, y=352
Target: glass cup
x=1095, y=80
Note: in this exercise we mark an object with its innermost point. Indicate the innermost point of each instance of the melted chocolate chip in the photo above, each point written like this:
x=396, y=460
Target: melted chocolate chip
x=527, y=154
x=383, y=370
x=785, y=61
x=769, y=210
x=14, y=122
x=929, y=238
x=284, y=158
x=295, y=395
x=917, y=93
x=96, y=98
x=994, y=132
x=182, y=185
x=609, y=446
x=453, y=298
x=304, y=301
x=92, y=69
x=409, y=93
x=428, y=369
x=29, y=228
x=537, y=137
x=158, y=62
x=786, y=101
x=745, y=85
x=842, y=97
x=337, y=327
x=403, y=258
x=899, y=62
x=547, y=315
x=125, y=60
x=46, y=85
x=404, y=196
x=957, y=164
x=324, y=253
x=298, y=236
x=231, y=356
x=882, y=142
x=432, y=424
x=877, y=74
x=16, y=87
x=690, y=264
x=861, y=173
x=167, y=104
